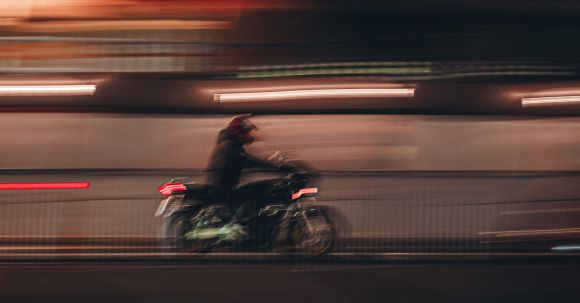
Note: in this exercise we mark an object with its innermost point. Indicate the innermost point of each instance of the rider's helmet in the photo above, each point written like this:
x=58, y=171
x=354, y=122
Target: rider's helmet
x=240, y=127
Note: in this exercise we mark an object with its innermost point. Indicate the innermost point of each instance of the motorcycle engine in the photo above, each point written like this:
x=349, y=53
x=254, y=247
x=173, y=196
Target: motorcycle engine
x=213, y=216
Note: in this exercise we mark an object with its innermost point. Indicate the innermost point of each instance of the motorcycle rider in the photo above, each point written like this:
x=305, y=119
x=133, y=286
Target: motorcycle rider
x=227, y=162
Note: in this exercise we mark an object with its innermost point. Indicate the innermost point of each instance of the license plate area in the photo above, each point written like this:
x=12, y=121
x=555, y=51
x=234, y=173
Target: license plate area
x=162, y=206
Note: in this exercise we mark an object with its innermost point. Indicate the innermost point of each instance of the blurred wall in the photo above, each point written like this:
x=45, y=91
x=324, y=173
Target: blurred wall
x=330, y=142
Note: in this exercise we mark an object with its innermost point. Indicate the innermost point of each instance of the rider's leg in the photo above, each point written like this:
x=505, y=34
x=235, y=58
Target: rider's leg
x=234, y=231
x=246, y=204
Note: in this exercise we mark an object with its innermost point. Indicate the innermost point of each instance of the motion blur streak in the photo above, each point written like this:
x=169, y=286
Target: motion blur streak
x=80, y=26
x=314, y=93
x=533, y=232
x=51, y=185
x=338, y=64
x=55, y=90
x=338, y=71
x=550, y=101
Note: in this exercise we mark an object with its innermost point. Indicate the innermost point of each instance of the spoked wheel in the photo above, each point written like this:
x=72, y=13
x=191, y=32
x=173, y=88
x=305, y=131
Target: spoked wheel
x=313, y=237
x=181, y=226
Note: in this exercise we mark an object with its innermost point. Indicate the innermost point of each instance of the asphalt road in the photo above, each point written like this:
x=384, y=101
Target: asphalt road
x=506, y=281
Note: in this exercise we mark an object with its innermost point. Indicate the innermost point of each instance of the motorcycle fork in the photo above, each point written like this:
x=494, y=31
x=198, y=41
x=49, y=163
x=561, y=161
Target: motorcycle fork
x=299, y=212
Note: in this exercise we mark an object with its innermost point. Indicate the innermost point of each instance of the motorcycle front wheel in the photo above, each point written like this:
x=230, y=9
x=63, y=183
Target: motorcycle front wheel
x=312, y=236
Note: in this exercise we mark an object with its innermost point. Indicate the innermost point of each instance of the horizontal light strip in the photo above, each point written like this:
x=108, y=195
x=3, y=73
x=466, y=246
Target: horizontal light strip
x=315, y=93
x=550, y=100
x=51, y=90
x=49, y=185
x=566, y=247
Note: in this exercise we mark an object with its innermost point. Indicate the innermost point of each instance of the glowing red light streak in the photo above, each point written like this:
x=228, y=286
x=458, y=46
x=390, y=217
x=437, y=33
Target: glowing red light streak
x=44, y=185
x=168, y=188
x=304, y=191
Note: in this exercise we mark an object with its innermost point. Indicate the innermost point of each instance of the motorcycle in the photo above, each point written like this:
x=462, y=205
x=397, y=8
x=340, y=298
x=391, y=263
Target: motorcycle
x=289, y=218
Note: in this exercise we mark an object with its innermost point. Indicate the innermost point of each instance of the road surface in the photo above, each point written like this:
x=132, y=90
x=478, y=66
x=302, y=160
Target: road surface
x=491, y=281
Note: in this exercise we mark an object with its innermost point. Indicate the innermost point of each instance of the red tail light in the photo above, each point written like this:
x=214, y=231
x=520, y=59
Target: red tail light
x=304, y=191
x=168, y=189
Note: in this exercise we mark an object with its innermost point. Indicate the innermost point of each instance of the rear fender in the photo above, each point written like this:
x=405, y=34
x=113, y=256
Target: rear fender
x=163, y=205
x=175, y=204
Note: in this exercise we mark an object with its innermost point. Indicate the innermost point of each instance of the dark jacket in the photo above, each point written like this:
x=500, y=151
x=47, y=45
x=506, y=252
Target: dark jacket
x=227, y=161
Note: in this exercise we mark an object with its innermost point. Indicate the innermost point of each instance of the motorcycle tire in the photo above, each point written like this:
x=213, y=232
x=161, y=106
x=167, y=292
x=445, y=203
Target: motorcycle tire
x=316, y=242
x=174, y=230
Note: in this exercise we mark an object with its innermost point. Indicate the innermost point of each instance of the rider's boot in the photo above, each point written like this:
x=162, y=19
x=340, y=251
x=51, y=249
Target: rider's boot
x=233, y=232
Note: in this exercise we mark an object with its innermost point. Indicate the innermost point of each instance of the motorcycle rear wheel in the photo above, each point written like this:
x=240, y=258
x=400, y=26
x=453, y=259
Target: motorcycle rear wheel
x=179, y=227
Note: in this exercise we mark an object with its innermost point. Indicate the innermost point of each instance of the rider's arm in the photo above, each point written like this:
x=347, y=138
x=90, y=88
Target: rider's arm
x=253, y=162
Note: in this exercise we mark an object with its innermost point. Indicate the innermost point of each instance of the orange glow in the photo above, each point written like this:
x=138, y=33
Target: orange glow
x=116, y=25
